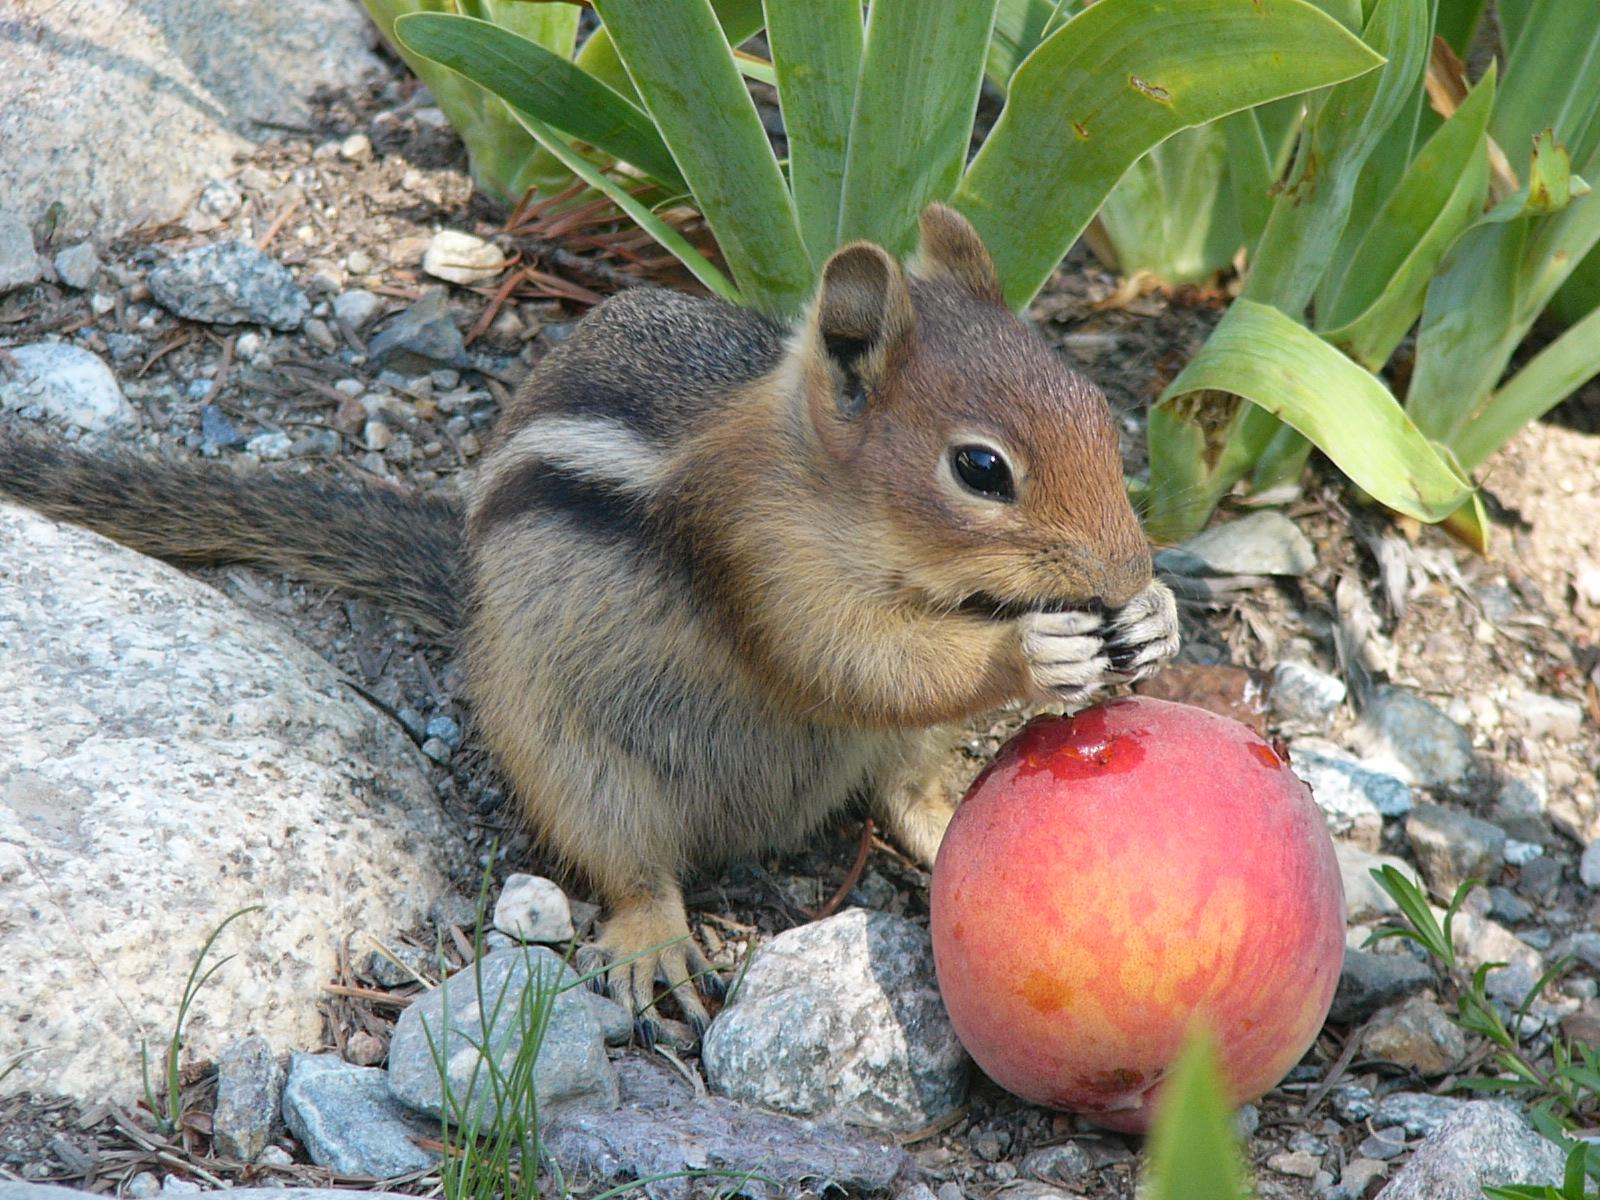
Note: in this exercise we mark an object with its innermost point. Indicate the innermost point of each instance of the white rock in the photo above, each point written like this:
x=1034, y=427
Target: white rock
x=119, y=109
x=357, y=307
x=1548, y=716
x=78, y=265
x=20, y=264
x=461, y=258
x=532, y=908
x=1363, y=898
x=1301, y=692
x=170, y=759
x=69, y=383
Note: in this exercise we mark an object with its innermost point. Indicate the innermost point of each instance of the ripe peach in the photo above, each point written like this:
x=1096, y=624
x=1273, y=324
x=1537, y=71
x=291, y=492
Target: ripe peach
x=1118, y=876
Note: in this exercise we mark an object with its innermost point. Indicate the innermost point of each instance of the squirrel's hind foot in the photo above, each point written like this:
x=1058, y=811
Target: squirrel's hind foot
x=645, y=939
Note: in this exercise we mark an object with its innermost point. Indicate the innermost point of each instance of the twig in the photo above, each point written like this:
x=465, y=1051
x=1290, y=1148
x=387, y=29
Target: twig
x=374, y=995
x=279, y=221
x=223, y=368
x=863, y=849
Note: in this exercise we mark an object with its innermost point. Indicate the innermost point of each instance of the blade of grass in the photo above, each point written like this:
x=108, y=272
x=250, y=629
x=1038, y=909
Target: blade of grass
x=817, y=50
x=550, y=89
x=921, y=69
x=683, y=67
x=1115, y=80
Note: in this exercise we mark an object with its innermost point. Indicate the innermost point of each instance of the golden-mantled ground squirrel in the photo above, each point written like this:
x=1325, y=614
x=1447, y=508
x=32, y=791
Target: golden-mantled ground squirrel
x=717, y=577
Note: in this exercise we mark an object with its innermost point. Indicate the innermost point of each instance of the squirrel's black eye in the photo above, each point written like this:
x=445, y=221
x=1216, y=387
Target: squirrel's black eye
x=984, y=471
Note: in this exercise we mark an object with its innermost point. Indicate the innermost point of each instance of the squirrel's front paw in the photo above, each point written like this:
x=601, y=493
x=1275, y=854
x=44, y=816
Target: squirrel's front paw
x=1067, y=653
x=1143, y=633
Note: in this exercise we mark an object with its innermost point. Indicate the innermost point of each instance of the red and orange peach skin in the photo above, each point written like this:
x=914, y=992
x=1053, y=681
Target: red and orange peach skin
x=1116, y=877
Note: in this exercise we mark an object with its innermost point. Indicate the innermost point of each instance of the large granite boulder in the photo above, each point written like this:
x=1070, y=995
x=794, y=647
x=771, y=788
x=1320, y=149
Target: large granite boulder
x=167, y=759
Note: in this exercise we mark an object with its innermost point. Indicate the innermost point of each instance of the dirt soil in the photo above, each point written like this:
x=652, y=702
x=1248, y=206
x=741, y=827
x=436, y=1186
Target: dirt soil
x=1466, y=631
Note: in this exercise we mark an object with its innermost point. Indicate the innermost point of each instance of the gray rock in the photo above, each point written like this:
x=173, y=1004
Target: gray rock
x=1356, y=1177
x=1263, y=543
x=1418, y=1035
x=663, y=1128
x=1363, y=898
x=841, y=1017
x=1352, y=1102
x=230, y=283
x=248, y=1086
x=1353, y=797
x=178, y=759
x=461, y=258
x=1340, y=773
x=445, y=729
x=220, y=199
x=68, y=383
x=532, y=908
x=380, y=968
x=1066, y=1163
x=1305, y=694
x=78, y=265
x=1418, y=1113
x=1548, y=716
x=616, y=1023
x=453, y=1020
x=271, y=445
x=20, y=265
x=1427, y=747
x=419, y=336
x=1384, y=1144
x=117, y=110
x=217, y=430
x=1485, y=1144
x=1521, y=802
x=1370, y=981
x=135, y=1188
x=1451, y=847
x=357, y=308
x=1585, y=946
x=1589, y=865
x=1506, y=905
x=349, y=1122
x=1520, y=853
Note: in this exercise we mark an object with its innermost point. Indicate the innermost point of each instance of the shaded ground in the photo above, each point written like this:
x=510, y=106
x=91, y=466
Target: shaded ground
x=1467, y=632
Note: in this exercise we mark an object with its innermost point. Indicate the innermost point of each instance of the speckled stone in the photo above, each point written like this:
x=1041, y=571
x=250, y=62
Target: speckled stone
x=170, y=759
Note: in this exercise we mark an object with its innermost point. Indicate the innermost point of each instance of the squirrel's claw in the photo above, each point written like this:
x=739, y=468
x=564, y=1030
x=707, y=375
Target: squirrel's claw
x=644, y=946
x=1144, y=632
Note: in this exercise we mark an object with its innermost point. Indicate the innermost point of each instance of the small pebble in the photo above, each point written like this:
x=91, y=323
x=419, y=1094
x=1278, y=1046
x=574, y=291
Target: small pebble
x=1383, y=1145
x=534, y=909
x=1589, y=865
x=436, y=750
x=461, y=258
x=1247, y=1120
x=445, y=729
x=275, y=1156
x=78, y=265
x=269, y=446
x=220, y=199
x=365, y=1049
x=1297, y=1163
x=176, y=1185
x=1301, y=692
x=357, y=307
x=142, y=1186
x=318, y=333
x=1520, y=854
x=356, y=148
x=359, y=262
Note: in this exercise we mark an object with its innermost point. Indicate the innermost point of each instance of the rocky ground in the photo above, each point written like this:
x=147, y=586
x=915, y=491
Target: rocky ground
x=309, y=309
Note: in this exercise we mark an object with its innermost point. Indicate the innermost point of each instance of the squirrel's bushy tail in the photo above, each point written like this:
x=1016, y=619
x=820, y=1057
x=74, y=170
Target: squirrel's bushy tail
x=404, y=552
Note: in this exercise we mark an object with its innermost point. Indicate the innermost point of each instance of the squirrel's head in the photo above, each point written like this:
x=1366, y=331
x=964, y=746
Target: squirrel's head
x=989, y=472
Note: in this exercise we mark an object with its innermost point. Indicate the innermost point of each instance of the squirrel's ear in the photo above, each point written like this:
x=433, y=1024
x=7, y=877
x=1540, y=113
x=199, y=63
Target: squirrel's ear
x=952, y=250
x=864, y=319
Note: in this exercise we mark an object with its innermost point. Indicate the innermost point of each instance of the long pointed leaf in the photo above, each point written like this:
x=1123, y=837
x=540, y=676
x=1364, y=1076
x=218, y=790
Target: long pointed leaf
x=1375, y=294
x=816, y=48
x=921, y=69
x=669, y=238
x=679, y=59
x=550, y=89
x=1194, y=1151
x=1117, y=79
x=1279, y=365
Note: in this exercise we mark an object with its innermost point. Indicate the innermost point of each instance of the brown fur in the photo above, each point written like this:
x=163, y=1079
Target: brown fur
x=723, y=577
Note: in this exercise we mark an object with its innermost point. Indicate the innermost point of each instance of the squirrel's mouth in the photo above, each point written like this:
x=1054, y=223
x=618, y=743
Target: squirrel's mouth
x=997, y=608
